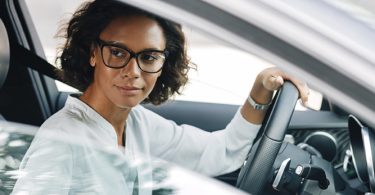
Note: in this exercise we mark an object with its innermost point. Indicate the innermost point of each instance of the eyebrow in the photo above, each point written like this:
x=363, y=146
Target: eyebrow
x=123, y=46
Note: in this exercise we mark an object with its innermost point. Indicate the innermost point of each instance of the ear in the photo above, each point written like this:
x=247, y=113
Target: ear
x=92, y=55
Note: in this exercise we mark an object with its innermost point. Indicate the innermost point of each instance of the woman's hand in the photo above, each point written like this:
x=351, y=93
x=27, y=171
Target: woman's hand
x=266, y=83
x=272, y=79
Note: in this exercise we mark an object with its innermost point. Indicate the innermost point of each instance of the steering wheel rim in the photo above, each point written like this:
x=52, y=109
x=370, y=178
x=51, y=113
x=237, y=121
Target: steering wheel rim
x=255, y=173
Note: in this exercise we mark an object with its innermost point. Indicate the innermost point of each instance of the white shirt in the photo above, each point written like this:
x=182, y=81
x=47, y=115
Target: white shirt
x=76, y=151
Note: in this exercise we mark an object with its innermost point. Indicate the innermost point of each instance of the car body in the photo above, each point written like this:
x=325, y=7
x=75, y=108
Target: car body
x=327, y=43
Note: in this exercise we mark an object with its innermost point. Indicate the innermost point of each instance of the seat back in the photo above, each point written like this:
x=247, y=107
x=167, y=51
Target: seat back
x=4, y=55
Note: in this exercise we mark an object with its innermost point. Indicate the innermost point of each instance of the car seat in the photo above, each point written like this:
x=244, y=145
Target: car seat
x=4, y=56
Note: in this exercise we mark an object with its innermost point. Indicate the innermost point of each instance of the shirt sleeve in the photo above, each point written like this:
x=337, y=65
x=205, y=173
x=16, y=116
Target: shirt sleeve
x=209, y=153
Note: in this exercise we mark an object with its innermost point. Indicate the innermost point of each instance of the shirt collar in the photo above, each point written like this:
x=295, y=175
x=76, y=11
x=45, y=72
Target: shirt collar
x=90, y=115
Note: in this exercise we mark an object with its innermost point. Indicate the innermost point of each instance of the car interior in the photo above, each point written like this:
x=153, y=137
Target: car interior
x=28, y=95
x=4, y=55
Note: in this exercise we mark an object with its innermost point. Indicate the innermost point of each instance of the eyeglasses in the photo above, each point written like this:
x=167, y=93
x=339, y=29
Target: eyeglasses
x=117, y=56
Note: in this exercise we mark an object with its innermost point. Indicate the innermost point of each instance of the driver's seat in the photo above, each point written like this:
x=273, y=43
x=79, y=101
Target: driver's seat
x=4, y=56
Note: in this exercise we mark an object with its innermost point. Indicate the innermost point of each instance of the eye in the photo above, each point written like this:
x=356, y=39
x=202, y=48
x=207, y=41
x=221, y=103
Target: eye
x=150, y=57
x=116, y=52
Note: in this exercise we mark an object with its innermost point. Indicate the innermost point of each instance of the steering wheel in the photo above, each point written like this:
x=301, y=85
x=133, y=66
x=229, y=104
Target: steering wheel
x=255, y=173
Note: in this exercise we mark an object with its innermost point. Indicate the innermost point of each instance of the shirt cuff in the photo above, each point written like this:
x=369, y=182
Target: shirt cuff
x=242, y=128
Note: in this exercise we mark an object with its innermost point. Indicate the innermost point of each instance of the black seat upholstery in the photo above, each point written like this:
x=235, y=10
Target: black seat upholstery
x=4, y=55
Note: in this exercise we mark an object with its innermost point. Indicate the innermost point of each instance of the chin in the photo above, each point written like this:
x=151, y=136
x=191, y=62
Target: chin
x=126, y=101
x=127, y=104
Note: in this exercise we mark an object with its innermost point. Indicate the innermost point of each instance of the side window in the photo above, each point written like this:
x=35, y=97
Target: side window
x=47, y=17
x=224, y=73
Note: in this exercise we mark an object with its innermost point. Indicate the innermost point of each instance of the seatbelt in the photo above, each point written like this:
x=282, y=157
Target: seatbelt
x=35, y=62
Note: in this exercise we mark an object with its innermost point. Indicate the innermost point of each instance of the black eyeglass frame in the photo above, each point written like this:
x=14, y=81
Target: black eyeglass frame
x=102, y=43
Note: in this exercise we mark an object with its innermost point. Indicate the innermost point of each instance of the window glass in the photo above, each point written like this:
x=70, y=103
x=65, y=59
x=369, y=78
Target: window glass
x=224, y=73
x=47, y=17
x=109, y=169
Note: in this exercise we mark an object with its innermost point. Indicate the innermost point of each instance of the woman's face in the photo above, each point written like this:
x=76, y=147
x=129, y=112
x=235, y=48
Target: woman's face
x=128, y=86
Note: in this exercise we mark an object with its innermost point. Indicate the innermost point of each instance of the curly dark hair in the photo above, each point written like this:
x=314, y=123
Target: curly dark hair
x=82, y=31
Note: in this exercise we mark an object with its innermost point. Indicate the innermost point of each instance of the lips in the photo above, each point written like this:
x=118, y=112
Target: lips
x=128, y=90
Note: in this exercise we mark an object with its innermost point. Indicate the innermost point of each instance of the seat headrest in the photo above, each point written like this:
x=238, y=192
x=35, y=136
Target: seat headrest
x=4, y=53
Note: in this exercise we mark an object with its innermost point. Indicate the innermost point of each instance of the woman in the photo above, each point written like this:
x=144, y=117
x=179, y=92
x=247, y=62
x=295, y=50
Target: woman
x=119, y=57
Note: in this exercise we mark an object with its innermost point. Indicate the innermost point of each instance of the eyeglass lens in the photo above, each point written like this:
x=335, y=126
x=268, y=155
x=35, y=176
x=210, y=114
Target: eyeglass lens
x=148, y=61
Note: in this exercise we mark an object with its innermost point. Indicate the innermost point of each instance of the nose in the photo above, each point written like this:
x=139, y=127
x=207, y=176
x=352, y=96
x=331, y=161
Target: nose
x=131, y=70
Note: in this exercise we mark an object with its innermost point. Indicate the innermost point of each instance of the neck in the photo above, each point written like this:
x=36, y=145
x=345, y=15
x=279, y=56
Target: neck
x=115, y=115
